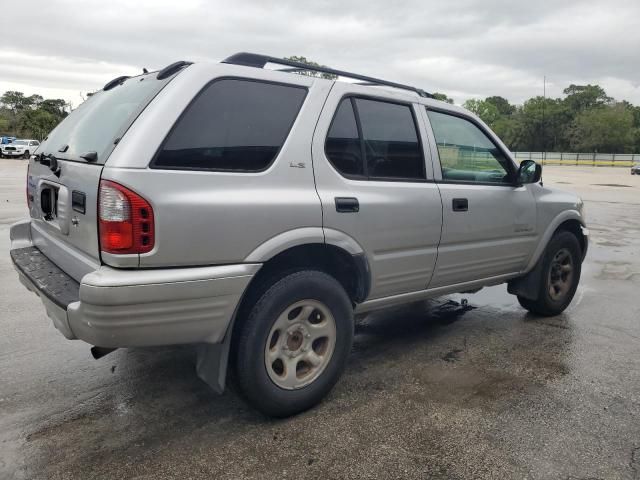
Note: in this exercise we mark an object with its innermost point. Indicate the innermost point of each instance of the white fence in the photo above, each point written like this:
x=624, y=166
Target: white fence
x=593, y=159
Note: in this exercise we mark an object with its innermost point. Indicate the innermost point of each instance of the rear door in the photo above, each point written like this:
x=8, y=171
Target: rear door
x=62, y=186
x=374, y=179
x=489, y=223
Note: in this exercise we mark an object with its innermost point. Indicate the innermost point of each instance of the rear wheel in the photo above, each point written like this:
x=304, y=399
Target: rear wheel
x=294, y=344
x=560, y=276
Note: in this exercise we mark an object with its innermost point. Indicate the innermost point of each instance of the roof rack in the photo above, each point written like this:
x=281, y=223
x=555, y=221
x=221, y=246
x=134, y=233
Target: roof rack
x=259, y=61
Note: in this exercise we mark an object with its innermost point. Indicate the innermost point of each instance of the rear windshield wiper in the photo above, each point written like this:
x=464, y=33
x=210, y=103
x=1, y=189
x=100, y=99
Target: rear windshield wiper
x=50, y=161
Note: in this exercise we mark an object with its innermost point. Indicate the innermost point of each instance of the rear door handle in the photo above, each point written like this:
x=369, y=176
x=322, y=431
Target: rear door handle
x=347, y=204
x=460, y=204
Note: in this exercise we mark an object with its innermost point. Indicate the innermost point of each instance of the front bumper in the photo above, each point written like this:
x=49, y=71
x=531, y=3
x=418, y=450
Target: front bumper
x=12, y=153
x=133, y=308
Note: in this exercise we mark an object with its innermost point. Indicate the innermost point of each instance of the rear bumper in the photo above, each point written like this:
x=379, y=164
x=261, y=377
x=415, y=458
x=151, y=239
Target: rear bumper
x=133, y=308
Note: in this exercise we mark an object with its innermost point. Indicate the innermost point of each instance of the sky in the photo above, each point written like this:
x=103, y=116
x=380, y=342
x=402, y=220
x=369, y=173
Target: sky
x=464, y=48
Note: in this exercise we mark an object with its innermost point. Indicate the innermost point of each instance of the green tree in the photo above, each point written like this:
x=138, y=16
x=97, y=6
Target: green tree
x=485, y=110
x=34, y=101
x=55, y=106
x=584, y=97
x=546, y=121
x=4, y=124
x=37, y=123
x=310, y=73
x=606, y=129
x=502, y=104
x=442, y=97
x=15, y=101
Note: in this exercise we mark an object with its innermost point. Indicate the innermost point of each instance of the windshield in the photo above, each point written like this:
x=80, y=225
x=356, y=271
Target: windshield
x=102, y=119
x=20, y=142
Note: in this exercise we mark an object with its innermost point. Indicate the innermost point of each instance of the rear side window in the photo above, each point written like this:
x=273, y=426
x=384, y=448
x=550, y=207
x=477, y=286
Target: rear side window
x=232, y=125
x=377, y=140
x=343, y=147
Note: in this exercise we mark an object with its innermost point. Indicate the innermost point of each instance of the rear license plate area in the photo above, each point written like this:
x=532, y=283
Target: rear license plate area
x=49, y=203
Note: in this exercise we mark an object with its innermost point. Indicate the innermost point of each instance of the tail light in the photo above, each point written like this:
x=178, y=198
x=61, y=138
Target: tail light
x=29, y=195
x=125, y=220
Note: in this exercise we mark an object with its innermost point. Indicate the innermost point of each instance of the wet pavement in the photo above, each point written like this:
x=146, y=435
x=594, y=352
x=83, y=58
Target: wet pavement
x=432, y=390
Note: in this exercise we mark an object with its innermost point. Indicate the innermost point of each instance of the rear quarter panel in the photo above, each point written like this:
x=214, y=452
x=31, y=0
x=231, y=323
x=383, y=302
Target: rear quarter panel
x=208, y=218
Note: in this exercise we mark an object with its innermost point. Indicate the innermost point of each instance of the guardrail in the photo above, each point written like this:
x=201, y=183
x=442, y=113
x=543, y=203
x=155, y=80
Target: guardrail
x=587, y=159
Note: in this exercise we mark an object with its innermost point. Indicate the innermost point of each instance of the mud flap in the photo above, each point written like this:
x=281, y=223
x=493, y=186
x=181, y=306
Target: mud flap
x=527, y=286
x=211, y=364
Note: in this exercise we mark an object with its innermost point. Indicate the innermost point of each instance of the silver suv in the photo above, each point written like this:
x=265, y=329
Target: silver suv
x=253, y=211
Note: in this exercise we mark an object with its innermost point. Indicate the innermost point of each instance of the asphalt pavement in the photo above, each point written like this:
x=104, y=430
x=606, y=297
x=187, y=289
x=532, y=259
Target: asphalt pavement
x=432, y=390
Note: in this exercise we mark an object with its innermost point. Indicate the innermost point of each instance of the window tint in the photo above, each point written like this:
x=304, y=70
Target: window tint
x=235, y=125
x=388, y=138
x=103, y=118
x=343, y=144
x=391, y=141
x=466, y=153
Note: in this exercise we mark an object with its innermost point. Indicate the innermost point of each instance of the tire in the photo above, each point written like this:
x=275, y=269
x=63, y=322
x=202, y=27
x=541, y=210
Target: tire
x=563, y=250
x=26, y=155
x=283, y=328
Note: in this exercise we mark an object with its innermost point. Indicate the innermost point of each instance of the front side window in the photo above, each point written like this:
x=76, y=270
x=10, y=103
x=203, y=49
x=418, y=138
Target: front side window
x=372, y=139
x=233, y=125
x=466, y=154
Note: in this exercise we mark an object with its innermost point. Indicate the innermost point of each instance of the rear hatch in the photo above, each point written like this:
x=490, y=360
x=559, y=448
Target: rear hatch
x=64, y=177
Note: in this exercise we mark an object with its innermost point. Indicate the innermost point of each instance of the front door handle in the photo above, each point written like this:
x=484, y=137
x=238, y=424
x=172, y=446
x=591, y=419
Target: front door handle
x=347, y=204
x=460, y=204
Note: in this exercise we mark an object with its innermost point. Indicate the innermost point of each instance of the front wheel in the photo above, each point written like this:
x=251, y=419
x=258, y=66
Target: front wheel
x=294, y=344
x=561, y=269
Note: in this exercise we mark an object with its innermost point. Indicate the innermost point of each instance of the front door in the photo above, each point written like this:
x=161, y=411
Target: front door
x=374, y=178
x=489, y=223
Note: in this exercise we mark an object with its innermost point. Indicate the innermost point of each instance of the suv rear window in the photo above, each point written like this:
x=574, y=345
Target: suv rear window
x=102, y=119
x=384, y=133
x=232, y=125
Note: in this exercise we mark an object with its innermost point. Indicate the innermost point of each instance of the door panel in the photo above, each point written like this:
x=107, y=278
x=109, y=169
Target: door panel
x=489, y=224
x=397, y=222
x=494, y=236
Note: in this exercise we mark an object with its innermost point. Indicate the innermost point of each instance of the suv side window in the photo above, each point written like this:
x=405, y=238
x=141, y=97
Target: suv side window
x=343, y=146
x=466, y=154
x=375, y=140
x=232, y=125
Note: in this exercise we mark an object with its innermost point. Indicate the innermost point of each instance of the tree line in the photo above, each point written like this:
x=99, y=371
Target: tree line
x=30, y=117
x=586, y=119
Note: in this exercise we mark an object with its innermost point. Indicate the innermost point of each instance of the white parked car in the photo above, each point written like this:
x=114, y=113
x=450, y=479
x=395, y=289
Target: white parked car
x=20, y=148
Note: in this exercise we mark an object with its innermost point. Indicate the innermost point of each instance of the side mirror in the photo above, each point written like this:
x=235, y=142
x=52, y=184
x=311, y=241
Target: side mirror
x=529, y=172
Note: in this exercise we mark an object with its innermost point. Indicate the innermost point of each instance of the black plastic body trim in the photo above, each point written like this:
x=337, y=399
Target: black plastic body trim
x=364, y=286
x=50, y=280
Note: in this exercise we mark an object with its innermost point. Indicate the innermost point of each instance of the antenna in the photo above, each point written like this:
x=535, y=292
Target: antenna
x=544, y=130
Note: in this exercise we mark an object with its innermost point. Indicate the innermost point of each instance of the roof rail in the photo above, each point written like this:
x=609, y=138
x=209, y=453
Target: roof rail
x=115, y=82
x=259, y=61
x=169, y=70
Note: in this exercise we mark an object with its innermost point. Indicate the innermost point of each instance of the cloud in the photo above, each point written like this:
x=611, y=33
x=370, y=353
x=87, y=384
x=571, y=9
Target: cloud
x=466, y=48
